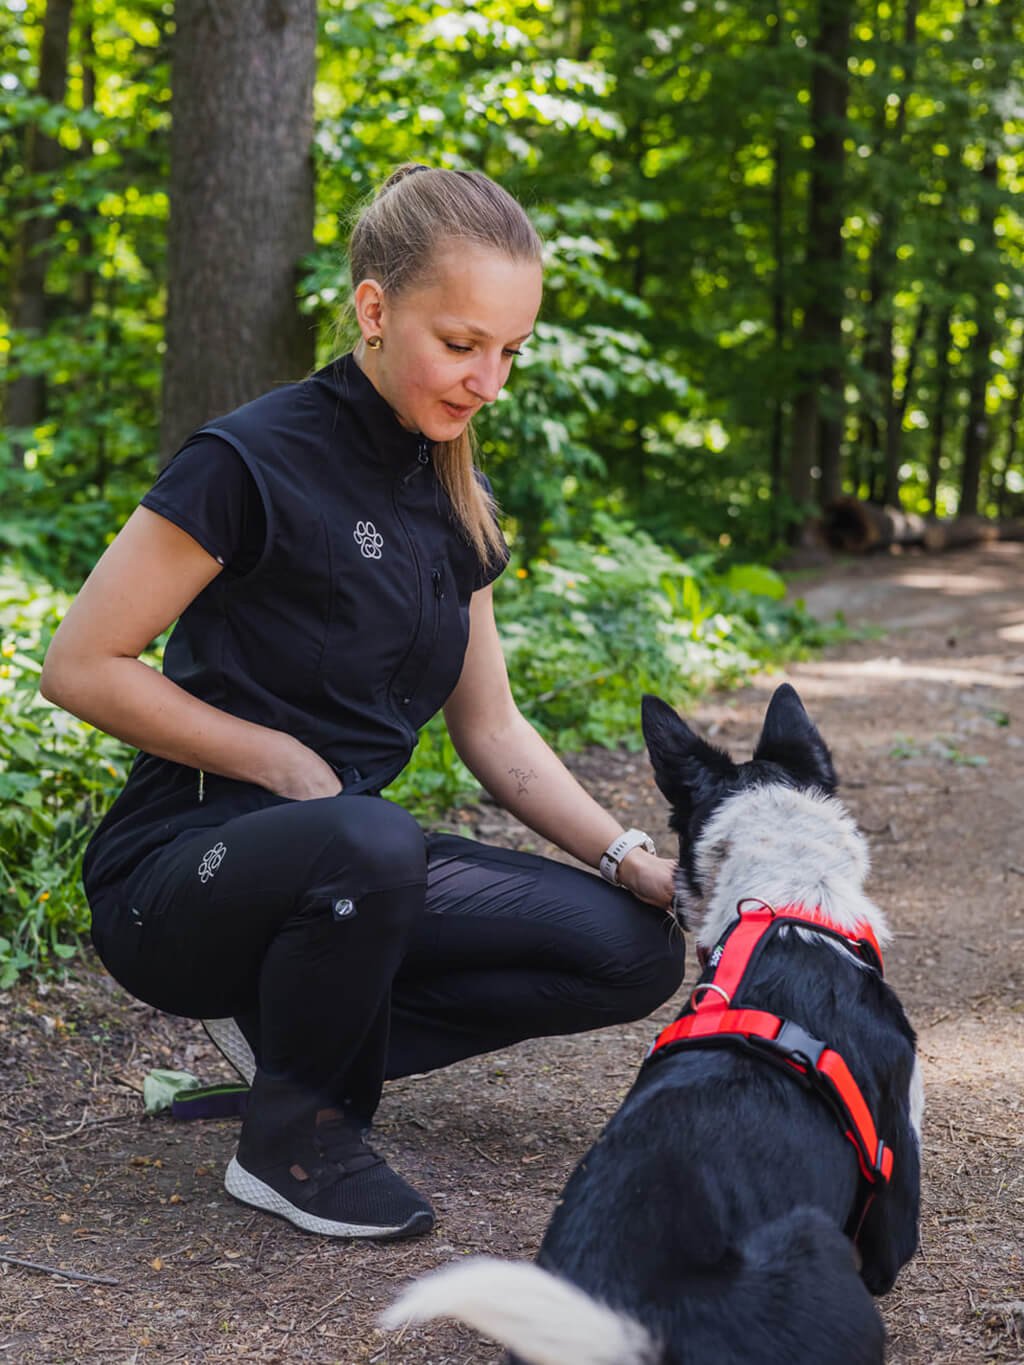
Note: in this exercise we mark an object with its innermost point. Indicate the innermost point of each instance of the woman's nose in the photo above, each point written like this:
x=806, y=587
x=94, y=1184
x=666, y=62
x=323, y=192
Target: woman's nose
x=487, y=378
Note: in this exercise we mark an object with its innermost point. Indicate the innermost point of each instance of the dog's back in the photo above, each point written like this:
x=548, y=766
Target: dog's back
x=789, y=1296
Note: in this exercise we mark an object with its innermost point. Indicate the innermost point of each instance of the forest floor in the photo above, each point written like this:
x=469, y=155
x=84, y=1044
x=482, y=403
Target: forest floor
x=925, y=716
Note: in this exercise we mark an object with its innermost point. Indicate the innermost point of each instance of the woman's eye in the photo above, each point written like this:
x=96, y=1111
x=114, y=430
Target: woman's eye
x=509, y=350
x=452, y=346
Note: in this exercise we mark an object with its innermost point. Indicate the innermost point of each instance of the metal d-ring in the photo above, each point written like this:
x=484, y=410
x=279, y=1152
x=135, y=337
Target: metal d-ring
x=754, y=903
x=708, y=986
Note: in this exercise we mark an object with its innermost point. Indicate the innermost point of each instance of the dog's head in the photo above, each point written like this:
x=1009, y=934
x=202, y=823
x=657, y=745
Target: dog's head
x=695, y=776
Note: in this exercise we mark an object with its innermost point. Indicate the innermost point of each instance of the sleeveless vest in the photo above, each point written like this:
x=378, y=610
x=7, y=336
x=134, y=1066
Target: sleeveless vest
x=350, y=631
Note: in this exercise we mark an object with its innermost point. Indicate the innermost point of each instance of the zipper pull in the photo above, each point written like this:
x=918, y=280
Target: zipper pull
x=423, y=453
x=435, y=575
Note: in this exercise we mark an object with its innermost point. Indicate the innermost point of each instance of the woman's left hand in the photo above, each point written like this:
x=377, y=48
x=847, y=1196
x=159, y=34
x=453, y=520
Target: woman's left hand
x=649, y=878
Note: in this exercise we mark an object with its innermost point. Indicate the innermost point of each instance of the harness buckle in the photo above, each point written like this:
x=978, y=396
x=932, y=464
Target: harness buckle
x=799, y=1044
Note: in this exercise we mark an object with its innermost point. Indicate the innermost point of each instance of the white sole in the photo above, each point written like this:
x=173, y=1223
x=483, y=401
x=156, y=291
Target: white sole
x=250, y=1190
x=231, y=1042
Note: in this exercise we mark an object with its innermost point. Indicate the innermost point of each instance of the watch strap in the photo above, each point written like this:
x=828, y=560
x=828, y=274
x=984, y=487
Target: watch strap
x=613, y=855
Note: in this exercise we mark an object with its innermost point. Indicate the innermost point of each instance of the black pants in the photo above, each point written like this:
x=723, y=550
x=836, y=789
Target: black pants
x=355, y=948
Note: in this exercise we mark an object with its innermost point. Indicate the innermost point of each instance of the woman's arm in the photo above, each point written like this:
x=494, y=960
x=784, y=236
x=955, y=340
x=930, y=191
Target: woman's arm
x=508, y=757
x=143, y=582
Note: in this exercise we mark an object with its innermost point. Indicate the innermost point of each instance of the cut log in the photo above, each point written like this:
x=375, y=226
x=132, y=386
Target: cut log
x=858, y=527
x=948, y=535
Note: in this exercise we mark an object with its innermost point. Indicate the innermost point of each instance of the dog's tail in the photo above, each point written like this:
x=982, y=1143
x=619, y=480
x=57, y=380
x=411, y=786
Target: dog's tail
x=543, y=1319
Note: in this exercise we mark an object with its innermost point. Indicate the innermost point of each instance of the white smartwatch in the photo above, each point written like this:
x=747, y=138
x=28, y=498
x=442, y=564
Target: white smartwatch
x=613, y=855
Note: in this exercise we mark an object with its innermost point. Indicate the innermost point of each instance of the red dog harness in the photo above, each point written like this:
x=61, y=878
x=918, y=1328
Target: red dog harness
x=713, y=1022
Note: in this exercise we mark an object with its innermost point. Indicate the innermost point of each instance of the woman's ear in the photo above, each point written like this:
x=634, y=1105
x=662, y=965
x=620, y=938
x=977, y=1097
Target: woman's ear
x=368, y=300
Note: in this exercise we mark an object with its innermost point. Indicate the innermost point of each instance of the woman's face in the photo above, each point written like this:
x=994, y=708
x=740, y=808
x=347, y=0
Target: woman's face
x=448, y=346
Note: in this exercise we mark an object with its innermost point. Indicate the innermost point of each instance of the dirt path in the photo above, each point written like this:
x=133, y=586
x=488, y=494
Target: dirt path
x=927, y=726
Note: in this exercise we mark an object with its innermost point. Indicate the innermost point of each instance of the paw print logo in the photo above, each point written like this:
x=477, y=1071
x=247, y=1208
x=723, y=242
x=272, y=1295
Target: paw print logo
x=211, y=860
x=369, y=539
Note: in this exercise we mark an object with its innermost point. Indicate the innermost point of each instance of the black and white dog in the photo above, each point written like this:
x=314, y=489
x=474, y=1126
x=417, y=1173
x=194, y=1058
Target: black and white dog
x=713, y=1218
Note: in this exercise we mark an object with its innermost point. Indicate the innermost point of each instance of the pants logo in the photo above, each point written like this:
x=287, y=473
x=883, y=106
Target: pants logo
x=368, y=538
x=211, y=860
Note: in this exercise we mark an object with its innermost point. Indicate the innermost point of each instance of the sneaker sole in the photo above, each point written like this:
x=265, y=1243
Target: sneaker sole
x=231, y=1042
x=248, y=1189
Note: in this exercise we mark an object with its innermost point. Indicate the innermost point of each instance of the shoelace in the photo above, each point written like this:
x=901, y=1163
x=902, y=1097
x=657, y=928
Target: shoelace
x=340, y=1141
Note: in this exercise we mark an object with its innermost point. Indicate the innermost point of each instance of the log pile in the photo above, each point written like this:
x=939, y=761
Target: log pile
x=857, y=527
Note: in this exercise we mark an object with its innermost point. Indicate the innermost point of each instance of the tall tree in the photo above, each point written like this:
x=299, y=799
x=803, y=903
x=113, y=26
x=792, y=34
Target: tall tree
x=25, y=393
x=817, y=410
x=241, y=192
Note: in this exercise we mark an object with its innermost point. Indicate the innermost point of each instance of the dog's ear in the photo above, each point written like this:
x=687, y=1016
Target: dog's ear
x=686, y=767
x=791, y=739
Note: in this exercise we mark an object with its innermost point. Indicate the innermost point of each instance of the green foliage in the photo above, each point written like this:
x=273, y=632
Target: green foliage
x=589, y=630
x=56, y=775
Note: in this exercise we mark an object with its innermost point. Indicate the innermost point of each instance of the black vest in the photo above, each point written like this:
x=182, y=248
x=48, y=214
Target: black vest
x=350, y=631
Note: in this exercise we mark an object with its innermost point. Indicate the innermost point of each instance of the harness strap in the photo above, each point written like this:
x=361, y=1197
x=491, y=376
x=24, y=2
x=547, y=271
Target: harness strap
x=711, y=1020
x=823, y=1069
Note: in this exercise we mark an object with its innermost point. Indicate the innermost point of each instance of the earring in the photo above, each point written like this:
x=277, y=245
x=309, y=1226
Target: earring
x=375, y=342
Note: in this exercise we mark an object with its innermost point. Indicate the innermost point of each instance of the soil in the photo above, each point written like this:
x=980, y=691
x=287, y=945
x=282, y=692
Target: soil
x=925, y=716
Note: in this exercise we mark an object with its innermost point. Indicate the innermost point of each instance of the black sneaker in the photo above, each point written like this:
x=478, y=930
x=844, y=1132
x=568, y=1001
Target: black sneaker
x=331, y=1183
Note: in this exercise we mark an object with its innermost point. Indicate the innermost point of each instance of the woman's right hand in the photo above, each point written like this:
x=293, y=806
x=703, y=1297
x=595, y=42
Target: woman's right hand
x=300, y=774
x=144, y=581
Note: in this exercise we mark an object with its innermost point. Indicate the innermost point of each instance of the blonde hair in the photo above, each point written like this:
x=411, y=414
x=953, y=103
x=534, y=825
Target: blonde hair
x=397, y=240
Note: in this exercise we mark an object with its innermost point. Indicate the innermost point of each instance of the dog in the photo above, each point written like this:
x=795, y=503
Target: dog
x=724, y=1214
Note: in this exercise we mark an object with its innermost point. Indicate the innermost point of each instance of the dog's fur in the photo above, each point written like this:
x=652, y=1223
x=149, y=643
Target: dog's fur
x=707, y=1221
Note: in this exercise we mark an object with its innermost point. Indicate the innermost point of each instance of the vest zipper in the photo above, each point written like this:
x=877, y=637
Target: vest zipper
x=422, y=459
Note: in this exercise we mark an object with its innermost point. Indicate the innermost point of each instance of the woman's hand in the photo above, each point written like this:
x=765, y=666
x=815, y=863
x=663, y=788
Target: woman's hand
x=650, y=878
x=298, y=773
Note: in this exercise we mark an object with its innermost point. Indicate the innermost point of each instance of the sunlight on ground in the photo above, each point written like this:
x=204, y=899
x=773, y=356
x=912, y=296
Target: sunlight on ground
x=896, y=669
x=953, y=584
x=977, y=1049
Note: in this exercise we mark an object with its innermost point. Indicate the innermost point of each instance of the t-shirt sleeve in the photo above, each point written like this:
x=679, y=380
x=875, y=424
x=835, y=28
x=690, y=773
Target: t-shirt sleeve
x=496, y=565
x=208, y=491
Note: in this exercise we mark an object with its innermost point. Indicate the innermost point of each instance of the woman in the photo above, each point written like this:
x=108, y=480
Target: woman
x=328, y=552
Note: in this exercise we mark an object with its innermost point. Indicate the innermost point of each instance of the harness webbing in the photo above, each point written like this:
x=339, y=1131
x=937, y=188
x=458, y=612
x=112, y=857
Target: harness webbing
x=712, y=1021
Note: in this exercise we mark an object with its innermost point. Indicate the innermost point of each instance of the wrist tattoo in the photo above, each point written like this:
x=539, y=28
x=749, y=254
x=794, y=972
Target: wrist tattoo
x=523, y=777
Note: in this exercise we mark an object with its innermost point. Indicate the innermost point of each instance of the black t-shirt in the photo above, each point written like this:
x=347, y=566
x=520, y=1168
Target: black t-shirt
x=208, y=492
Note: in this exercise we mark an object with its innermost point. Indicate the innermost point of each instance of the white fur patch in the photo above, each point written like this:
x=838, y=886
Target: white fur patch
x=545, y=1320
x=784, y=847
x=916, y=1101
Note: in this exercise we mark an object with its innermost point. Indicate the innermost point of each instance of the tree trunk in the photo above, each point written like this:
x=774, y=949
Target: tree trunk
x=26, y=394
x=778, y=287
x=943, y=341
x=976, y=431
x=1015, y=416
x=241, y=190
x=887, y=252
x=818, y=410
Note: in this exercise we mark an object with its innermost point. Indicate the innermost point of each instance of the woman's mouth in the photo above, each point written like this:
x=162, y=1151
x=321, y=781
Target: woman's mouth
x=456, y=410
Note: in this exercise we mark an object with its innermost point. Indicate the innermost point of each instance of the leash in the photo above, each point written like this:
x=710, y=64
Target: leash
x=711, y=1021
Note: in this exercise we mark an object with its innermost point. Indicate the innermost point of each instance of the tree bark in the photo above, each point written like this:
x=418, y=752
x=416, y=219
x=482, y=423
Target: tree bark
x=241, y=190
x=943, y=340
x=891, y=467
x=778, y=289
x=1015, y=415
x=976, y=429
x=818, y=409
x=26, y=394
